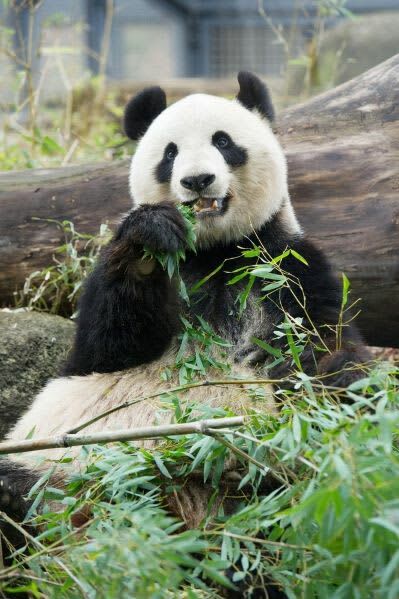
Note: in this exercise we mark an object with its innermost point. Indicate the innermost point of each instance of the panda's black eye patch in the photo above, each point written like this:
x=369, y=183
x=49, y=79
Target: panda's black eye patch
x=163, y=171
x=233, y=154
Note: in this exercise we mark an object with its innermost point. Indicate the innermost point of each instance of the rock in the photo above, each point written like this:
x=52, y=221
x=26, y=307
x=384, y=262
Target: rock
x=33, y=345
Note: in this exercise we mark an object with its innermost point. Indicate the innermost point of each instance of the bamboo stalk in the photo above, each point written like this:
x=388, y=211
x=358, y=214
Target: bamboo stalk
x=264, y=468
x=131, y=402
x=187, y=387
x=202, y=427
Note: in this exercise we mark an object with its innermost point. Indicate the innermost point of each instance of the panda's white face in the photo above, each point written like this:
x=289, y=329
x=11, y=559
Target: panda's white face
x=217, y=156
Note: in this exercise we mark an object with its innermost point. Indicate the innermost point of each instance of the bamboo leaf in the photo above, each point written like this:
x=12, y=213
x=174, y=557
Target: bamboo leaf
x=299, y=257
x=267, y=347
x=345, y=289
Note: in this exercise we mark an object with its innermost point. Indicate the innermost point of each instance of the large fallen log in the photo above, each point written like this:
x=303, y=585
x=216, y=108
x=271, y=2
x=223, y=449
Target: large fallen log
x=343, y=155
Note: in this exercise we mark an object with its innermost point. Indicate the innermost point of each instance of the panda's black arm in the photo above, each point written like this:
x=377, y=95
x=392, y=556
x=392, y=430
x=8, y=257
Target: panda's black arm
x=129, y=308
x=323, y=297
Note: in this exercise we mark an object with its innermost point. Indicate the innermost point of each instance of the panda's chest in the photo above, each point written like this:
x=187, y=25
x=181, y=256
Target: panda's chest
x=215, y=300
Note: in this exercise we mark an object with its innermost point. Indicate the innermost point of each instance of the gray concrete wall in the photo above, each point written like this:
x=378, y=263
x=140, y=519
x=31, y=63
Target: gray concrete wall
x=152, y=40
x=148, y=41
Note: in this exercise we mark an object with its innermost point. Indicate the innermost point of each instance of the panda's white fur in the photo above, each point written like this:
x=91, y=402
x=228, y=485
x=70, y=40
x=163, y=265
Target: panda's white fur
x=259, y=188
x=66, y=402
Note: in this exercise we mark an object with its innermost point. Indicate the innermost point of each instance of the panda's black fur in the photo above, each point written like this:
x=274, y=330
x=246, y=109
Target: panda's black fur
x=254, y=94
x=127, y=319
x=129, y=311
x=142, y=110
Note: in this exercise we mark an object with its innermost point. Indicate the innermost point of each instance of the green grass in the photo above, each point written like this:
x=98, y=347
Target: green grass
x=55, y=289
x=330, y=529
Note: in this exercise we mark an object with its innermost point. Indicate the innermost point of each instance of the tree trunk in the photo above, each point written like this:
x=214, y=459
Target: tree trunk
x=343, y=156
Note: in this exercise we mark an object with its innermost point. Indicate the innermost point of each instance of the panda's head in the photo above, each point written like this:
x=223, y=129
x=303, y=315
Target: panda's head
x=218, y=155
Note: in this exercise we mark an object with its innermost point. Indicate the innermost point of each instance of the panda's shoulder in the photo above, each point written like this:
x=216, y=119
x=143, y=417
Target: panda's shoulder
x=276, y=239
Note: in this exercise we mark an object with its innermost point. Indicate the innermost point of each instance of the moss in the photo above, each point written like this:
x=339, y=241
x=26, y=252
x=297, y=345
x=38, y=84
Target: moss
x=32, y=347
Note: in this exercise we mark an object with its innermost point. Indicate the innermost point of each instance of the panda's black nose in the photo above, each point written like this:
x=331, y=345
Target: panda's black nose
x=197, y=183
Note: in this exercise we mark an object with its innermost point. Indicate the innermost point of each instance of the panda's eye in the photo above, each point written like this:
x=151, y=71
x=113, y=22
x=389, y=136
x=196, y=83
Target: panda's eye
x=171, y=152
x=222, y=142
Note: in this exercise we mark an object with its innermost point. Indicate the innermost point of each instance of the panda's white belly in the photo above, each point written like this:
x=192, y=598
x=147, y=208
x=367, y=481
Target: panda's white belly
x=65, y=403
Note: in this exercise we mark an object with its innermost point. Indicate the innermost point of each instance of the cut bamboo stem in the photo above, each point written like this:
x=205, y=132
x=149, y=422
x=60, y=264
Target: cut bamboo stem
x=202, y=427
x=215, y=383
x=131, y=402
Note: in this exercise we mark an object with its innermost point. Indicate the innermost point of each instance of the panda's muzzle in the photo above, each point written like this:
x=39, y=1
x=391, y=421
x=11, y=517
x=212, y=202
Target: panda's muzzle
x=204, y=204
x=207, y=206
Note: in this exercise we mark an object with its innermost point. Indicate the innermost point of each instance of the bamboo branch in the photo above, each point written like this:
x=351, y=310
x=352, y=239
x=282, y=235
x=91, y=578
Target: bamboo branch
x=131, y=402
x=247, y=539
x=202, y=427
x=215, y=383
x=264, y=468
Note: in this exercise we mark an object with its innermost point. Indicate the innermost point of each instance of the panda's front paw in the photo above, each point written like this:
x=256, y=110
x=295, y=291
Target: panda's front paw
x=157, y=227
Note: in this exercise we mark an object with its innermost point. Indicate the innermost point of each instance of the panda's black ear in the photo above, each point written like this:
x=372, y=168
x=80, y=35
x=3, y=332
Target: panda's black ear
x=254, y=94
x=141, y=110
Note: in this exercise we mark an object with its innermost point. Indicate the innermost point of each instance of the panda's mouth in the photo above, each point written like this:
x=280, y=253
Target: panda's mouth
x=204, y=206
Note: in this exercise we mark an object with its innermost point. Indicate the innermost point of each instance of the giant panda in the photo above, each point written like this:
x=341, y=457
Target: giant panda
x=221, y=157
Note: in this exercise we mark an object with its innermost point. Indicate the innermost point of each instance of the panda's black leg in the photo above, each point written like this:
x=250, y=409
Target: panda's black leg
x=344, y=366
x=338, y=367
x=15, y=483
x=129, y=309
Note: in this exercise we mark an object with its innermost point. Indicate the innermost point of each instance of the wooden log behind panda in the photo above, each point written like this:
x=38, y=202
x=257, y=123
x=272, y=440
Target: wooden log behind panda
x=343, y=163
x=343, y=155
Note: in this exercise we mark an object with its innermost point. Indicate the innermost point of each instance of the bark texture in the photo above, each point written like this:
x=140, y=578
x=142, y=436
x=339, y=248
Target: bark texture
x=343, y=156
x=343, y=161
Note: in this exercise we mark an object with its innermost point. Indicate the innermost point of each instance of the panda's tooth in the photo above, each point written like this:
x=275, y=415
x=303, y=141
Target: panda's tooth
x=198, y=205
x=215, y=205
